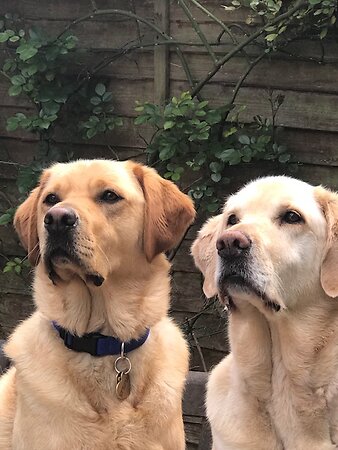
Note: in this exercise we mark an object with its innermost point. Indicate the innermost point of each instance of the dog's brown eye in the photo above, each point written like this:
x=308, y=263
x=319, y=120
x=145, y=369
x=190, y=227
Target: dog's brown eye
x=292, y=217
x=110, y=197
x=51, y=199
x=232, y=219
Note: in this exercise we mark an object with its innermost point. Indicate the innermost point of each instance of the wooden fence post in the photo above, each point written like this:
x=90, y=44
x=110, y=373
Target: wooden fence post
x=161, y=53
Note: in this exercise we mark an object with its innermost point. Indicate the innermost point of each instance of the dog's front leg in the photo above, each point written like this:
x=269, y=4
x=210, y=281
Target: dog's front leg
x=7, y=408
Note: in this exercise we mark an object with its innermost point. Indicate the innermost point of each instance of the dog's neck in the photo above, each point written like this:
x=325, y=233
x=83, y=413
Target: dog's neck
x=123, y=306
x=296, y=341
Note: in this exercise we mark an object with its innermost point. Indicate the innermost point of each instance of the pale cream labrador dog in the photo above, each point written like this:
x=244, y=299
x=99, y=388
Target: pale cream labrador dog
x=272, y=258
x=96, y=231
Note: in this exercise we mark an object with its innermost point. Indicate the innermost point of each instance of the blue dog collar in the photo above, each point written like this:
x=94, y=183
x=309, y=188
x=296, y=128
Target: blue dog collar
x=97, y=344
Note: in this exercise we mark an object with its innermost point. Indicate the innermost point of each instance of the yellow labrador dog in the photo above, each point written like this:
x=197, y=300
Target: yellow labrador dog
x=99, y=365
x=272, y=257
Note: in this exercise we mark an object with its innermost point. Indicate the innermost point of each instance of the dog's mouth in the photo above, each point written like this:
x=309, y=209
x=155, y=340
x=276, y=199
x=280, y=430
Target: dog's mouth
x=232, y=283
x=60, y=257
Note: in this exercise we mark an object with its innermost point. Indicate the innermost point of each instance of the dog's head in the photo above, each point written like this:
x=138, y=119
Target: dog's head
x=275, y=245
x=97, y=217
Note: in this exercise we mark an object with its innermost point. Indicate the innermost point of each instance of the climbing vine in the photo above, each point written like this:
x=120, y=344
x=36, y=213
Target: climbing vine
x=192, y=139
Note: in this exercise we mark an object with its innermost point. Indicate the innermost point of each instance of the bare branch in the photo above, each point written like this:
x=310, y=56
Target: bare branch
x=198, y=347
x=198, y=30
x=243, y=44
x=131, y=15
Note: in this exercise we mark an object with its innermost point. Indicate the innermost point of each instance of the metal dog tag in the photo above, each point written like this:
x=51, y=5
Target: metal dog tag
x=122, y=386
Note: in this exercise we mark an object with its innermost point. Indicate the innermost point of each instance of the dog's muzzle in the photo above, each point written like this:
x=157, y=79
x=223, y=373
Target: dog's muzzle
x=61, y=224
x=235, y=251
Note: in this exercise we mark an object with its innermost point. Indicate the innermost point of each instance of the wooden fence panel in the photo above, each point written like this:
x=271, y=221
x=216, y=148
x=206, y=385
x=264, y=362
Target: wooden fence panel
x=309, y=116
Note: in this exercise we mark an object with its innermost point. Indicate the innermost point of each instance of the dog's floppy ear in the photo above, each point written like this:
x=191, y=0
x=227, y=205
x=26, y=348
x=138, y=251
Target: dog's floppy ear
x=329, y=272
x=168, y=214
x=25, y=222
x=205, y=253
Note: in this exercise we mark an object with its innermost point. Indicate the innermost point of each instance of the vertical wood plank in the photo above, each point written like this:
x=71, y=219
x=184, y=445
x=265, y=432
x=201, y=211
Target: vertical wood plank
x=161, y=53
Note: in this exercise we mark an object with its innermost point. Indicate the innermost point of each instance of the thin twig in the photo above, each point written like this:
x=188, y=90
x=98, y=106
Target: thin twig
x=171, y=255
x=245, y=74
x=243, y=44
x=187, y=188
x=133, y=9
x=198, y=30
x=131, y=15
x=190, y=322
x=5, y=74
x=94, y=5
x=113, y=152
x=199, y=351
x=236, y=90
x=226, y=29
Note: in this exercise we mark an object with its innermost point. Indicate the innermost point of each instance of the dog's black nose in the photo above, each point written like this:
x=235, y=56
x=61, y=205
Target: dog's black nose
x=60, y=219
x=232, y=244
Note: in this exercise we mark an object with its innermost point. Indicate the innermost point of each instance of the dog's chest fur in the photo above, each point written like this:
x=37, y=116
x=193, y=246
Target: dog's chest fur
x=73, y=403
x=294, y=380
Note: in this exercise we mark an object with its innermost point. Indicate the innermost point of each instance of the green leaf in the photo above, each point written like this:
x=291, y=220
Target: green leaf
x=271, y=37
x=50, y=108
x=18, y=80
x=226, y=155
x=216, y=177
x=12, y=124
x=100, y=89
x=8, y=65
x=213, y=117
x=215, y=167
x=4, y=37
x=243, y=139
x=90, y=133
x=28, y=87
x=169, y=124
x=175, y=176
x=197, y=194
x=203, y=104
x=31, y=70
x=140, y=120
x=236, y=159
x=50, y=76
x=14, y=90
x=229, y=132
x=26, y=51
x=107, y=96
x=118, y=121
x=95, y=101
x=200, y=113
x=323, y=33
x=14, y=38
x=6, y=218
x=285, y=157
x=212, y=207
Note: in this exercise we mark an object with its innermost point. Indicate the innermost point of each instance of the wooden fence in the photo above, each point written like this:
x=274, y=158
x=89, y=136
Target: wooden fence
x=309, y=114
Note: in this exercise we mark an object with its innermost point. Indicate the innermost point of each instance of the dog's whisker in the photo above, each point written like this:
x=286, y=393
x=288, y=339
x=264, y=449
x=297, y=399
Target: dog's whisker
x=103, y=253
